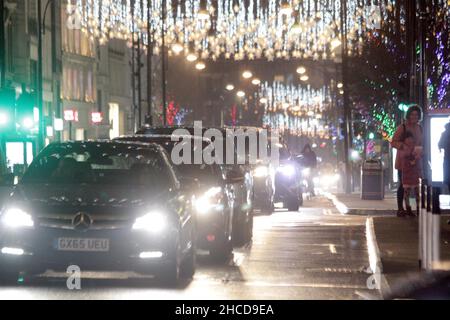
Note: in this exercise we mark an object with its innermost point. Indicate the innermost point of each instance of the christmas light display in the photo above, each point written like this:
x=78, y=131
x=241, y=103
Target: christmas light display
x=234, y=29
x=296, y=109
x=438, y=49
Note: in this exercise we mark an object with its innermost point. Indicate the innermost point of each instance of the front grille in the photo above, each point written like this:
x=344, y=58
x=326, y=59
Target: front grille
x=99, y=221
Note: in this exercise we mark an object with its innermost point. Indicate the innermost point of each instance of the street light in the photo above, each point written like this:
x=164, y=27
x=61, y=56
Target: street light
x=240, y=94
x=304, y=78
x=191, y=57
x=200, y=66
x=247, y=74
x=229, y=87
x=256, y=82
x=301, y=70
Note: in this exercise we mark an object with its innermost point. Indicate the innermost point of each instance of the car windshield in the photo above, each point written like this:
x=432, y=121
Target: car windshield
x=99, y=163
x=205, y=174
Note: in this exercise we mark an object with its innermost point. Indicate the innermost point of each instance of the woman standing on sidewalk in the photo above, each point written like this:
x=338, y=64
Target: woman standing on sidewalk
x=411, y=125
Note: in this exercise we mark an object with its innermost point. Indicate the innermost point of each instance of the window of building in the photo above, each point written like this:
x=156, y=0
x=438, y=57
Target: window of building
x=74, y=40
x=78, y=83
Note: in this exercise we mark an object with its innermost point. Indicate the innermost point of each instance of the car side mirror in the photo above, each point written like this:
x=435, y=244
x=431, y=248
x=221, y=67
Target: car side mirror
x=234, y=177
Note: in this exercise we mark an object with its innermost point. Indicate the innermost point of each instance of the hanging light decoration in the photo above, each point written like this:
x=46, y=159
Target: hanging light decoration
x=177, y=48
x=298, y=109
x=270, y=29
x=285, y=8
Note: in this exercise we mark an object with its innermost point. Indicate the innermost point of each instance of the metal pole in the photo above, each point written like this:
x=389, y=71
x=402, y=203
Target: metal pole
x=149, y=66
x=40, y=76
x=133, y=66
x=347, y=111
x=139, y=82
x=55, y=66
x=2, y=44
x=163, y=62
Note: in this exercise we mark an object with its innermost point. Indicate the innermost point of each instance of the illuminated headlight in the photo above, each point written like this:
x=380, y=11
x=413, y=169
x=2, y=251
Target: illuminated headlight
x=261, y=172
x=153, y=222
x=288, y=170
x=16, y=218
x=210, y=200
x=306, y=172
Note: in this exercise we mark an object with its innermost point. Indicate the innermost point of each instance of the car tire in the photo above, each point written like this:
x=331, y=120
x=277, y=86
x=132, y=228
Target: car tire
x=170, y=274
x=293, y=204
x=188, y=265
x=300, y=200
x=222, y=252
x=269, y=208
x=243, y=231
x=250, y=229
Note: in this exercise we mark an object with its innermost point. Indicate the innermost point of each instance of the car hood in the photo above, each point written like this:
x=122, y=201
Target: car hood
x=91, y=197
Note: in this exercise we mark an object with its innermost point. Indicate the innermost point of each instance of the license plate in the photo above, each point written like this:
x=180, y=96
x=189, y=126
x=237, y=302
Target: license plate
x=82, y=244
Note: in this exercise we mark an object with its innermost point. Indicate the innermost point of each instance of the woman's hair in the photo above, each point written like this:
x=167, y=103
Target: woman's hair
x=411, y=109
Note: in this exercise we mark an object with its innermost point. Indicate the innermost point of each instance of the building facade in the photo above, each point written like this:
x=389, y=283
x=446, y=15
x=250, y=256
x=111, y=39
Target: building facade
x=86, y=87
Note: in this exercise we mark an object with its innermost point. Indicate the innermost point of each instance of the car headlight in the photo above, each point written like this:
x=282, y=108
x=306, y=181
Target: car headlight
x=287, y=170
x=261, y=172
x=17, y=218
x=153, y=222
x=210, y=200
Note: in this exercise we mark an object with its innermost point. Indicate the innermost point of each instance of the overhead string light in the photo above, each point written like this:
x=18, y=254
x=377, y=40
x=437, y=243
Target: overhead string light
x=299, y=110
x=234, y=29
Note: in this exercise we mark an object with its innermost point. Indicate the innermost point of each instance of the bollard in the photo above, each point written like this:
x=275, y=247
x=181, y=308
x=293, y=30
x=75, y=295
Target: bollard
x=422, y=212
x=436, y=228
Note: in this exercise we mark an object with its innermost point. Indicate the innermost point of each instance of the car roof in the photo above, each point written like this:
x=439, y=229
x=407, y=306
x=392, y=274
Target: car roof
x=163, y=137
x=151, y=146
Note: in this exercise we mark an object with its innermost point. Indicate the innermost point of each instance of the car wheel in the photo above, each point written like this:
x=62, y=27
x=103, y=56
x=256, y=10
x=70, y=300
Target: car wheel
x=222, y=252
x=250, y=229
x=300, y=200
x=170, y=274
x=293, y=204
x=187, y=268
x=243, y=230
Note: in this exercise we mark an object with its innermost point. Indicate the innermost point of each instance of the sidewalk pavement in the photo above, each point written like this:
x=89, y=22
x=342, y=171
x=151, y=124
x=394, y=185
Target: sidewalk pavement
x=353, y=204
x=398, y=243
x=393, y=242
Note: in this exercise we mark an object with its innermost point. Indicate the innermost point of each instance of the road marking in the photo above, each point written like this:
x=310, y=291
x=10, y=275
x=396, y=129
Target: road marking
x=376, y=265
x=332, y=249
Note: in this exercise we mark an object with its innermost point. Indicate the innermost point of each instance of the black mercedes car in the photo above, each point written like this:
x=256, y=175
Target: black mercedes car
x=100, y=206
